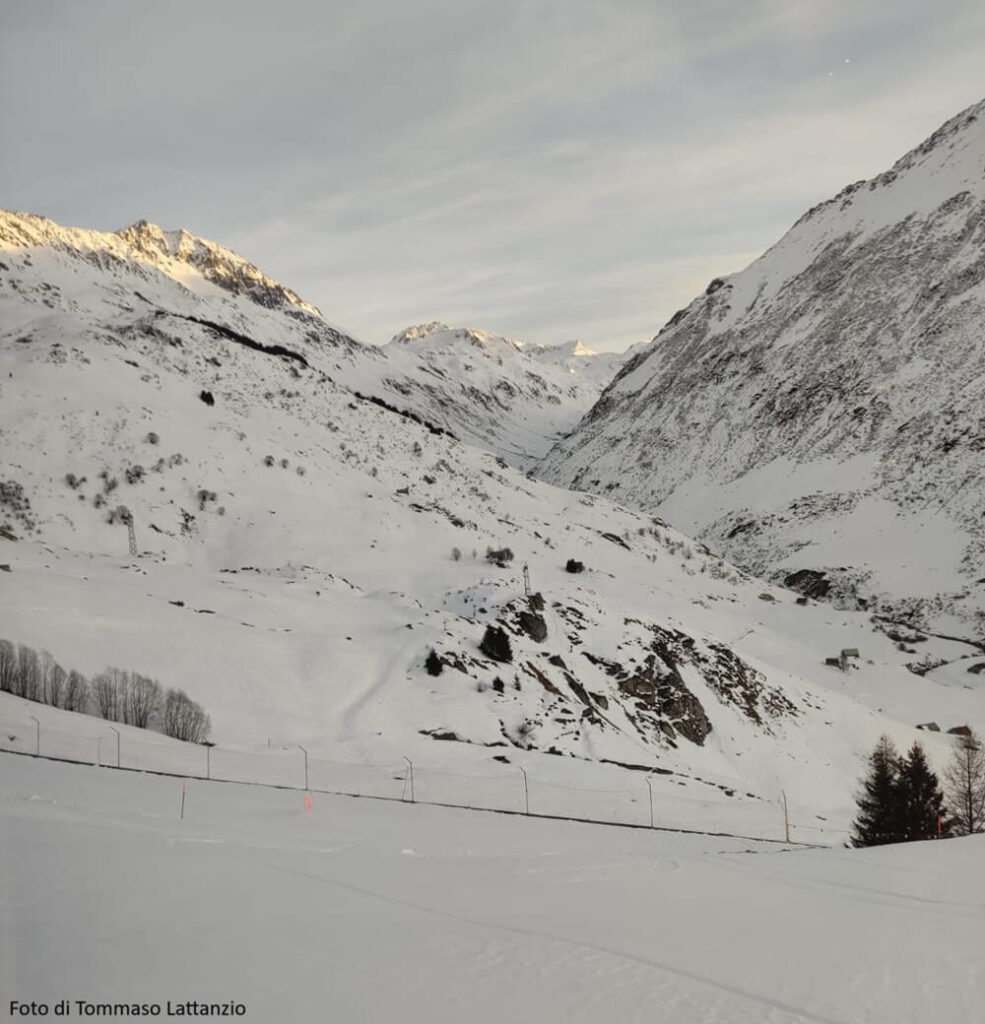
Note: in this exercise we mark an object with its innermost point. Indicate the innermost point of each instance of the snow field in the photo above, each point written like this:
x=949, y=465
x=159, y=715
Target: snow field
x=364, y=910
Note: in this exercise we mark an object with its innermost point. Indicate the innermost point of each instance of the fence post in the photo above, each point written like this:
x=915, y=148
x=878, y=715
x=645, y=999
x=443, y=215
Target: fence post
x=117, y=731
x=208, y=761
x=37, y=744
x=786, y=818
x=526, y=791
x=305, y=752
x=649, y=786
x=410, y=765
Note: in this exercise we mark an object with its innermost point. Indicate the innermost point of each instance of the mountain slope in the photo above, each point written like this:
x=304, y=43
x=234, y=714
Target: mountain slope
x=505, y=396
x=822, y=412
x=499, y=393
x=302, y=547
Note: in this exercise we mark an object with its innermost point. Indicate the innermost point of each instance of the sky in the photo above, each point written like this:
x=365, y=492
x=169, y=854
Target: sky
x=545, y=170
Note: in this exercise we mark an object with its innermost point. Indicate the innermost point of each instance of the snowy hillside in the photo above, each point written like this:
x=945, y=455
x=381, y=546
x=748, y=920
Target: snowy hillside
x=302, y=548
x=822, y=412
x=512, y=399
x=501, y=394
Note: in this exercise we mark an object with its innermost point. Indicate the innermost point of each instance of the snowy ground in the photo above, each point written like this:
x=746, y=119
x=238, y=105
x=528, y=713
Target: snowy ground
x=372, y=911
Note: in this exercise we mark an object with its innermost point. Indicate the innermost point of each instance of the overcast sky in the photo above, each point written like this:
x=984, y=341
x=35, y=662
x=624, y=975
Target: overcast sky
x=544, y=170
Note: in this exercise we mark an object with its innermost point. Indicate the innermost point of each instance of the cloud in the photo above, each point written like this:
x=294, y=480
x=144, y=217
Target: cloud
x=548, y=170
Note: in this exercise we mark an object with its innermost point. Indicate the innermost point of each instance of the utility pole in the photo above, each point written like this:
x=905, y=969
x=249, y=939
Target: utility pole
x=127, y=517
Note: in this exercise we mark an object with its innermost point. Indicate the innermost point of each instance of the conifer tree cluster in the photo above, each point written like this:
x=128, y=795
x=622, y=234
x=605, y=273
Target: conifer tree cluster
x=900, y=801
x=496, y=644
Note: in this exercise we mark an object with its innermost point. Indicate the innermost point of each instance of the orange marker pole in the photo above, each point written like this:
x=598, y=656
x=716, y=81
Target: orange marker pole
x=307, y=803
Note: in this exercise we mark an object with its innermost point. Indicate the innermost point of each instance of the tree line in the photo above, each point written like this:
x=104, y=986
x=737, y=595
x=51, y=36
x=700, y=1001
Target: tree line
x=118, y=695
x=902, y=799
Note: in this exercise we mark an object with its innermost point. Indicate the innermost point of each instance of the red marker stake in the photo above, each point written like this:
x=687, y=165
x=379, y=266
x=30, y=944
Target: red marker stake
x=307, y=803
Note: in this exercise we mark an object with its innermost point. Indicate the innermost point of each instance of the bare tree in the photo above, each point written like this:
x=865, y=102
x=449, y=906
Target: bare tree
x=8, y=666
x=109, y=689
x=53, y=681
x=29, y=673
x=964, y=785
x=142, y=700
x=184, y=719
x=76, y=692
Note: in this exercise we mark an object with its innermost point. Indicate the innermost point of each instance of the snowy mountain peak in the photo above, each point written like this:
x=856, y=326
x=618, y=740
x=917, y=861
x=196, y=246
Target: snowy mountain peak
x=217, y=264
x=948, y=163
x=149, y=246
x=419, y=331
x=576, y=348
x=437, y=335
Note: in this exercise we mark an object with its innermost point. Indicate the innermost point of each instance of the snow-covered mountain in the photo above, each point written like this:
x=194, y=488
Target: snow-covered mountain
x=304, y=542
x=506, y=396
x=820, y=416
x=513, y=399
x=143, y=247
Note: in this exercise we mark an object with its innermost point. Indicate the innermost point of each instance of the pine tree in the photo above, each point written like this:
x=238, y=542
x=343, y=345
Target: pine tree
x=964, y=785
x=879, y=818
x=921, y=799
x=496, y=644
x=433, y=663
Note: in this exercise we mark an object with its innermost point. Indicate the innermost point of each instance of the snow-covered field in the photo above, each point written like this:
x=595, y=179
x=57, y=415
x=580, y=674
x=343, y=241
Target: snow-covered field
x=366, y=911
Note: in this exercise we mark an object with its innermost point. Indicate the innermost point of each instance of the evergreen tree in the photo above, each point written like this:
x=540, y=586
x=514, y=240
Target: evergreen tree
x=879, y=818
x=964, y=785
x=433, y=663
x=921, y=799
x=496, y=644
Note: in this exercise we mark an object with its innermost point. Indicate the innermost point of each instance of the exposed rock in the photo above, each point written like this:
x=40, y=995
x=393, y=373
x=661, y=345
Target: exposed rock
x=533, y=625
x=443, y=734
x=808, y=583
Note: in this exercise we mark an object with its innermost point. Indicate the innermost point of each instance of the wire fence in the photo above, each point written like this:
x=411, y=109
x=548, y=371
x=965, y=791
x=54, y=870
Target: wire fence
x=508, y=792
